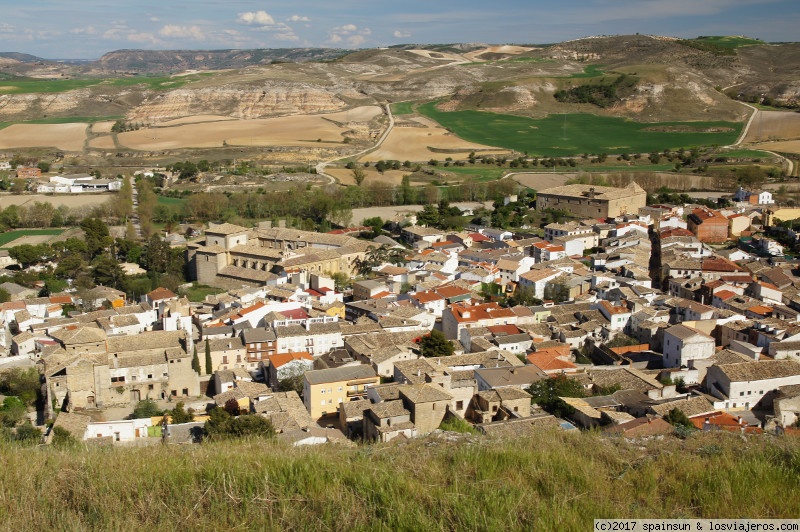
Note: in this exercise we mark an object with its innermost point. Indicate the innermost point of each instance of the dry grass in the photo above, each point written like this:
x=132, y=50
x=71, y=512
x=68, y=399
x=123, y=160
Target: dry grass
x=550, y=481
x=73, y=201
x=67, y=137
x=788, y=146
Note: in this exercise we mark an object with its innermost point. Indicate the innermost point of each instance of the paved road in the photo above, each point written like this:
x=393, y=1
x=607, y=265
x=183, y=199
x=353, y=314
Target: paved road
x=322, y=164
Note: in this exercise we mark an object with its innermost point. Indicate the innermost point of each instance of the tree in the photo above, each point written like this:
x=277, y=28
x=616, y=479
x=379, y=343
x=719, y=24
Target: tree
x=22, y=383
x=209, y=367
x=677, y=418
x=12, y=411
x=436, y=344
x=524, y=295
x=195, y=361
x=429, y=215
x=180, y=415
x=96, y=236
x=62, y=437
x=5, y=297
x=222, y=425
x=547, y=393
x=359, y=175
x=108, y=272
x=146, y=408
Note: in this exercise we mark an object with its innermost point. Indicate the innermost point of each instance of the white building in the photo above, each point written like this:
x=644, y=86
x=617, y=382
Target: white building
x=744, y=384
x=683, y=344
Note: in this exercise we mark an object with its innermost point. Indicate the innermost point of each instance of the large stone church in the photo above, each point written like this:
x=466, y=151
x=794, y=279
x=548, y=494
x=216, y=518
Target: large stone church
x=231, y=256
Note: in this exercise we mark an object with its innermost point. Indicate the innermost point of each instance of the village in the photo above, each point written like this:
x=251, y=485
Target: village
x=637, y=320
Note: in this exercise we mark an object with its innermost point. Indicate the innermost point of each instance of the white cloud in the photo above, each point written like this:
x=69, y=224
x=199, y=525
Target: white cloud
x=350, y=33
x=190, y=32
x=153, y=18
x=356, y=40
x=285, y=37
x=148, y=38
x=401, y=34
x=259, y=18
x=88, y=30
x=298, y=18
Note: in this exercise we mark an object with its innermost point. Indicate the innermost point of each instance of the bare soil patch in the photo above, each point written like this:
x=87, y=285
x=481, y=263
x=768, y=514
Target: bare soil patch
x=389, y=177
x=67, y=137
x=542, y=181
x=73, y=201
x=358, y=114
x=387, y=213
x=32, y=240
x=106, y=142
x=774, y=125
x=788, y=146
x=102, y=127
x=414, y=143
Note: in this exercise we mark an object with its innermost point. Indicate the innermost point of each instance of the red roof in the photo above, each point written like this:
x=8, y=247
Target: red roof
x=477, y=237
x=503, y=329
x=725, y=294
x=281, y=359
x=161, y=293
x=61, y=300
x=295, y=314
x=487, y=311
x=549, y=362
x=724, y=421
x=427, y=297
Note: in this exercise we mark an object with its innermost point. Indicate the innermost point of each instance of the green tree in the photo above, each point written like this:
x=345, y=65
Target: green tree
x=5, y=297
x=96, y=236
x=180, y=415
x=146, y=408
x=22, y=383
x=358, y=175
x=196, y=361
x=436, y=344
x=29, y=434
x=12, y=411
x=677, y=418
x=62, y=438
x=209, y=367
x=222, y=425
x=108, y=272
x=547, y=393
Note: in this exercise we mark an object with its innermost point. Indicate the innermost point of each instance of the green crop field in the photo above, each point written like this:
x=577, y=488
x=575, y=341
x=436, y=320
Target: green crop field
x=575, y=134
x=746, y=154
x=163, y=200
x=403, y=108
x=10, y=236
x=35, y=86
x=729, y=41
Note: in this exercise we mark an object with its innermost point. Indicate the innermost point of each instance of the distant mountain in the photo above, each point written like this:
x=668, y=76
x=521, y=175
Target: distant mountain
x=22, y=58
x=165, y=61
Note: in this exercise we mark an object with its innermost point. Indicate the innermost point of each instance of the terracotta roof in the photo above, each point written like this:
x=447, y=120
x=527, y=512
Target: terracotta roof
x=282, y=359
x=161, y=293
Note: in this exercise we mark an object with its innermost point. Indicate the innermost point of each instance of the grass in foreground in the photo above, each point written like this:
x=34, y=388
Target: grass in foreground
x=550, y=481
x=10, y=236
x=574, y=134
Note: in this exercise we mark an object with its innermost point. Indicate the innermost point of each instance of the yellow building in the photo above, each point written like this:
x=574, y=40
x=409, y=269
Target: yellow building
x=325, y=389
x=593, y=201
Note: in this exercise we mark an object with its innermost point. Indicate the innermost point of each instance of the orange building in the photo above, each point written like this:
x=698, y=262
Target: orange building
x=708, y=225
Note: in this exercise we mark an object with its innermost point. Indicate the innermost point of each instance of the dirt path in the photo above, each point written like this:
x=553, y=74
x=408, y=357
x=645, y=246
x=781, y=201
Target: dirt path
x=321, y=165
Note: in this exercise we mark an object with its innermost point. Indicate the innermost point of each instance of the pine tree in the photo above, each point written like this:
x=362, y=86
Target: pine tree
x=195, y=361
x=209, y=369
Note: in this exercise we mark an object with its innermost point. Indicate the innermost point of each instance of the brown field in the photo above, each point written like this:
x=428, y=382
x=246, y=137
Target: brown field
x=412, y=144
x=787, y=146
x=542, y=181
x=73, y=202
x=102, y=127
x=304, y=130
x=358, y=114
x=505, y=49
x=106, y=142
x=390, y=177
x=432, y=54
x=774, y=125
x=194, y=120
x=67, y=137
x=32, y=240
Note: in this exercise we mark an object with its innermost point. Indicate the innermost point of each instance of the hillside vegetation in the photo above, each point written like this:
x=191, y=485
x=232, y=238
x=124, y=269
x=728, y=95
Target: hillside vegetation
x=549, y=481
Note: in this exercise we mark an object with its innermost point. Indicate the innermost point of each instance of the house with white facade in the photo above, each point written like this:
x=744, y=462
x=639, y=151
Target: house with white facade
x=683, y=345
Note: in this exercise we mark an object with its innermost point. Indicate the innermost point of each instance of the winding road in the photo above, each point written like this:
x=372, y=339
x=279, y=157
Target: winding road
x=320, y=168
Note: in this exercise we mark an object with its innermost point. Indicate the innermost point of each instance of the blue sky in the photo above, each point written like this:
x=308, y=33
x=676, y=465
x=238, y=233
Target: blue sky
x=90, y=28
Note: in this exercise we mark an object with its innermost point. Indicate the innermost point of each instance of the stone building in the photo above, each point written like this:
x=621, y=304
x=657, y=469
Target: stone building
x=232, y=256
x=591, y=201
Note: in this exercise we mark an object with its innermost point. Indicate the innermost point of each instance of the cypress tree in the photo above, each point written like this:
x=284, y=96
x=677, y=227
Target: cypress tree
x=209, y=369
x=195, y=361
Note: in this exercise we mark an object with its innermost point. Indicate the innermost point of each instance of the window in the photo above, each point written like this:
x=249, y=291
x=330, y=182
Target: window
x=174, y=393
x=150, y=376
x=322, y=390
x=117, y=379
x=459, y=405
x=186, y=391
x=741, y=393
x=149, y=386
x=224, y=359
x=116, y=436
x=166, y=374
x=133, y=377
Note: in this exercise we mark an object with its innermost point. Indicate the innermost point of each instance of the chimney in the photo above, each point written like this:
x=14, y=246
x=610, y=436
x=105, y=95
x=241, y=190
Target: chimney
x=591, y=192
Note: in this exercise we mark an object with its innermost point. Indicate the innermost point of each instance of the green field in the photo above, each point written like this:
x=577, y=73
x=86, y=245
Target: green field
x=402, y=108
x=728, y=41
x=750, y=154
x=575, y=134
x=10, y=236
x=163, y=200
x=35, y=86
x=198, y=292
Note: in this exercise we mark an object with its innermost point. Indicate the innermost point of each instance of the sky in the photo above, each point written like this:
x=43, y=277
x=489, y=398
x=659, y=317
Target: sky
x=86, y=29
